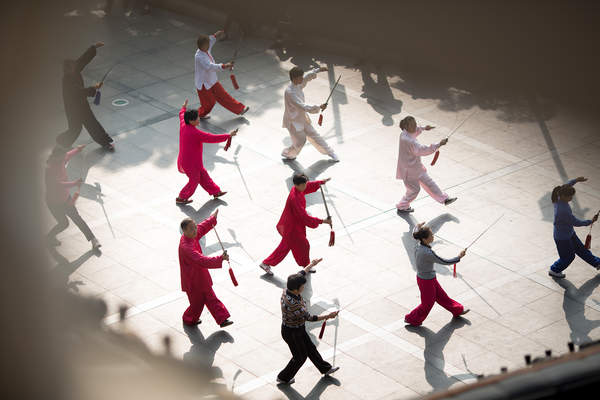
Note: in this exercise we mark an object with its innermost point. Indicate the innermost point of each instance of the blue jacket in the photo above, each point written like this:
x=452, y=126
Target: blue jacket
x=564, y=220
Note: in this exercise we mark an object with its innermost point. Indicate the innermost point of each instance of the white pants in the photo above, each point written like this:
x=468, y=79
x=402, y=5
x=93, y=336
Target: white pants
x=413, y=187
x=299, y=138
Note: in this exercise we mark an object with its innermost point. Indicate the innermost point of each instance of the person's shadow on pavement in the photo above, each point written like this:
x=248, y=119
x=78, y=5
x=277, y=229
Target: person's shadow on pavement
x=203, y=350
x=434, y=352
x=314, y=394
x=574, y=308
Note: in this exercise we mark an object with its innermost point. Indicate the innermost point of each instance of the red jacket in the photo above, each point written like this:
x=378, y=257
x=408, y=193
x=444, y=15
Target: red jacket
x=57, y=183
x=295, y=219
x=194, y=265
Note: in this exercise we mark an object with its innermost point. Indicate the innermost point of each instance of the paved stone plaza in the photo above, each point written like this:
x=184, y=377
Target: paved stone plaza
x=503, y=161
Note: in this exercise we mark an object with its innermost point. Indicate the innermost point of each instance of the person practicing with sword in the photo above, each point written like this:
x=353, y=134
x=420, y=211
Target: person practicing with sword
x=294, y=315
x=410, y=168
x=208, y=87
x=292, y=225
x=567, y=242
x=296, y=119
x=431, y=291
x=195, y=278
x=77, y=108
x=189, y=161
x=58, y=198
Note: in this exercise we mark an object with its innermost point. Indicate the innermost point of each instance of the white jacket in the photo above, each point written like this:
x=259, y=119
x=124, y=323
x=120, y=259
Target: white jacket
x=295, y=109
x=409, y=155
x=206, y=68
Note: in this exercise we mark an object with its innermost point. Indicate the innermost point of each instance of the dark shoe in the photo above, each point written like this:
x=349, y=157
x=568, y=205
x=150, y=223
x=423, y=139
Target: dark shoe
x=331, y=371
x=282, y=382
x=179, y=200
x=405, y=210
x=558, y=275
x=192, y=323
x=245, y=110
x=449, y=201
x=409, y=324
x=466, y=310
x=226, y=323
x=221, y=193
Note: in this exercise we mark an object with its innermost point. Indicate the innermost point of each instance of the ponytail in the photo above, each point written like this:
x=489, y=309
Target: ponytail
x=404, y=122
x=562, y=191
x=555, y=194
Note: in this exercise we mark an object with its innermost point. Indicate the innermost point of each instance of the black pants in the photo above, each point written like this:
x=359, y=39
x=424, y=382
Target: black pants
x=60, y=213
x=301, y=347
x=83, y=117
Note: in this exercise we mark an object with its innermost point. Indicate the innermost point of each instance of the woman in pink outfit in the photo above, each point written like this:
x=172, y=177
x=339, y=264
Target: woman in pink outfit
x=189, y=162
x=410, y=168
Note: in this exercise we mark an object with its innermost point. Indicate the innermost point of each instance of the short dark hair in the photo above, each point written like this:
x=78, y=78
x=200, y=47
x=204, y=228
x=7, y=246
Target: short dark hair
x=299, y=179
x=422, y=233
x=202, y=39
x=295, y=281
x=190, y=115
x=185, y=223
x=296, y=72
x=405, y=121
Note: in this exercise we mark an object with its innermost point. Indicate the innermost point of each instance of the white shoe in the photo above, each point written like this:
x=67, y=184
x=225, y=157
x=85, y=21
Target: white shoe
x=559, y=275
x=334, y=157
x=266, y=268
x=95, y=244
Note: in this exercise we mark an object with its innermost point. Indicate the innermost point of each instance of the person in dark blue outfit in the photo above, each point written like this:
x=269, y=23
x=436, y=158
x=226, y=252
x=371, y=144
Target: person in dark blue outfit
x=567, y=242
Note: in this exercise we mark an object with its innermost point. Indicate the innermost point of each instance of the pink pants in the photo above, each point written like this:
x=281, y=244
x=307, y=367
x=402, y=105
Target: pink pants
x=431, y=292
x=202, y=179
x=300, y=250
x=208, y=98
x=413, y=187
x=206, y=298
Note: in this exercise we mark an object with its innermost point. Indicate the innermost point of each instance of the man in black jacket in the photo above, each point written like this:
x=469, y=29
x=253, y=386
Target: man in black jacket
x=77, y=108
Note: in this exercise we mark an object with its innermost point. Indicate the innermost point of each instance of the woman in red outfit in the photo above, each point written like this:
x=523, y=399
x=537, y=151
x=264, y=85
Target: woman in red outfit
x=431, y=291
x=189, y=161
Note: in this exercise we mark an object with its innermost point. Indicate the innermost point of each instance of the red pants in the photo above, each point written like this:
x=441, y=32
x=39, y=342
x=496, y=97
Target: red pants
x=208, y=98
x=300, y=250
x=197, y=302
x=431, y=292
x=202, y=179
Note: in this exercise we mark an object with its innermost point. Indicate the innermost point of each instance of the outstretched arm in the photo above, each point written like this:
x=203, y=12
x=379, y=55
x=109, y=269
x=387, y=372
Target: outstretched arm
x=313, y=186
x=206, y=225
x=421, y=150
x=206, y=137
x=86, y=57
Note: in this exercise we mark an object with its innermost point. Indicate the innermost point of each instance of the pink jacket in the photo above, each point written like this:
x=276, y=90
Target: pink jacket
x=191, y=139
x=409, y=155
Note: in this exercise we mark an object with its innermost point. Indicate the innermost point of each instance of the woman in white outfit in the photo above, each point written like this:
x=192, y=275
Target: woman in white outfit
x=296, y=119
x=410, y=168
